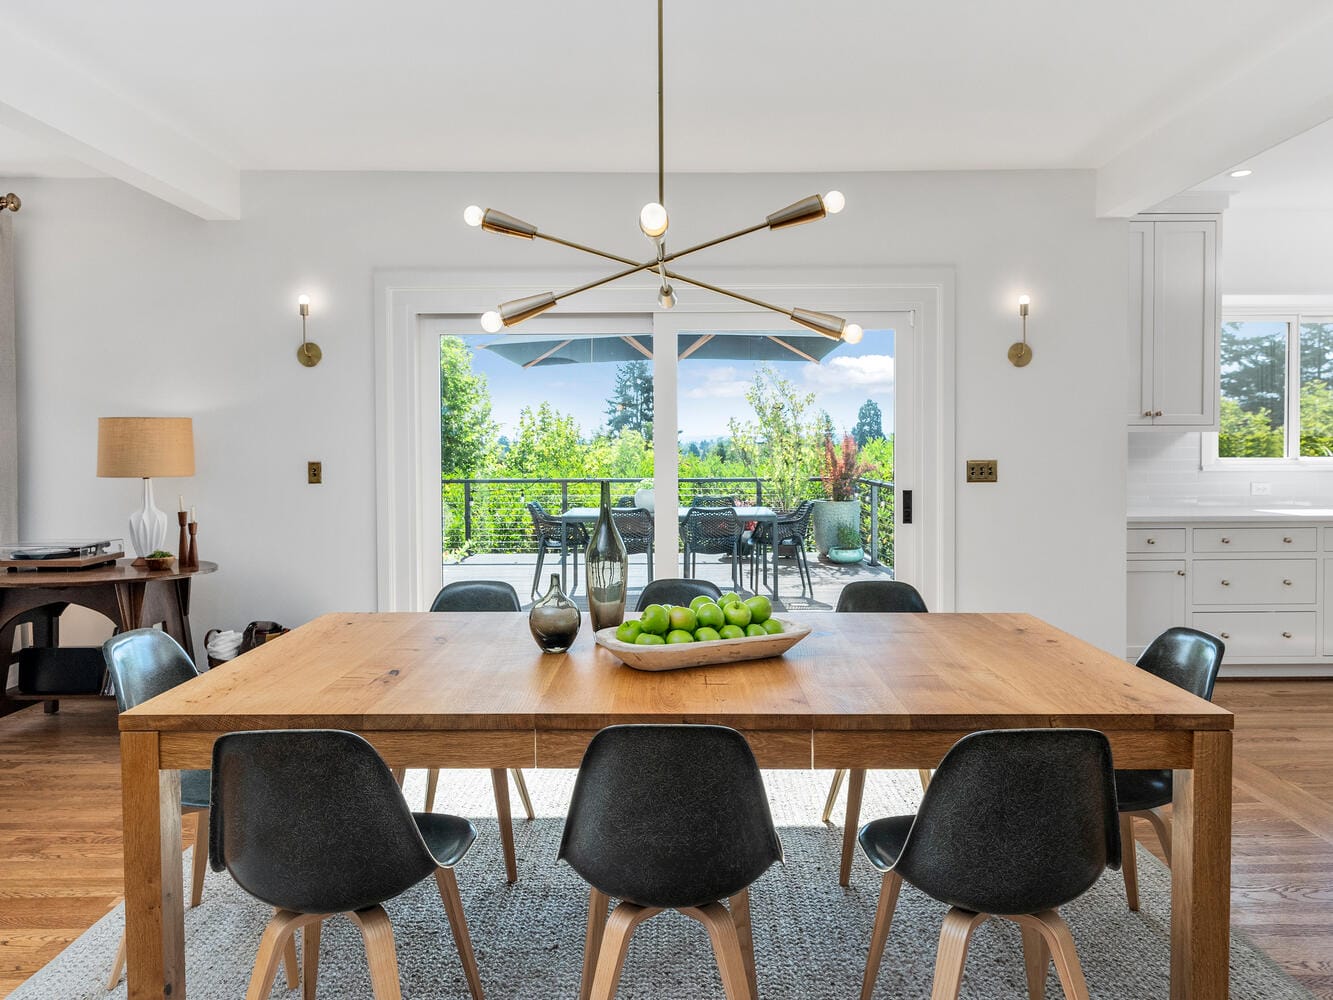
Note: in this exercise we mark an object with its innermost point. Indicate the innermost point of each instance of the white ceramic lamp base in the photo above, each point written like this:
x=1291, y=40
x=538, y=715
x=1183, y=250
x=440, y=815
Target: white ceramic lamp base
x=148, y=527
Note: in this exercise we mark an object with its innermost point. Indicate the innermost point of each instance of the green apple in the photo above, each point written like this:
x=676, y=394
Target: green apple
x=677, y=635
x=773, y=626
x=706, y=634
x=761, y=608
x=655, y=619
x=732, y=632
x=710, y=615
x=737, y=614
x=649, y=639
x=683, y=619
x=728, y=598
x=701, y=599
x=753, y=629
x=629, y=631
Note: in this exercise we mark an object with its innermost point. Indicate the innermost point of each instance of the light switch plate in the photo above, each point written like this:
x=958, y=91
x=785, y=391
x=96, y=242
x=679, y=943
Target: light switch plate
x=983, y=470
x=1261, y=489
x=314, y=473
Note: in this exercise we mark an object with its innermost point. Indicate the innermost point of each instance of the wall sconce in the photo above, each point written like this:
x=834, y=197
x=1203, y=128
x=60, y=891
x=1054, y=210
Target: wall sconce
x=308, y=353
x=1020, y=354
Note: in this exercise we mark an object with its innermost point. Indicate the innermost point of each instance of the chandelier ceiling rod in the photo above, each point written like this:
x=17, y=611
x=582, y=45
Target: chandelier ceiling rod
x=654, y=221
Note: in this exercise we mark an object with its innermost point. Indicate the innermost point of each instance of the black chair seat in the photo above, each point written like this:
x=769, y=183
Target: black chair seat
x=196, y=789
x=1137, y=791
x=447, y=837
x=883, y=839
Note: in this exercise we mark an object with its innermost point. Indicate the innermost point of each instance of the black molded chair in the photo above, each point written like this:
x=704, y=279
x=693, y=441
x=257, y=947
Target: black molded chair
x=1189, y=659
x=677, y=591
x=143, y=664
x=483, y=596
x=706, y=501
x=623, y=502
x=669, y=817
x=713, y=531
x=789, y=532
x=548, y=529
x=312, y=823
x=1015, y=824
x=636, y=531
x=874, y=596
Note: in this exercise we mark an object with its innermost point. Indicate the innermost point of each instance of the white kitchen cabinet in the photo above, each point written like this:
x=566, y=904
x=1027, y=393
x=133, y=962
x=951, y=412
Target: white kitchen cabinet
x=1174, y=310
x=1156, y=600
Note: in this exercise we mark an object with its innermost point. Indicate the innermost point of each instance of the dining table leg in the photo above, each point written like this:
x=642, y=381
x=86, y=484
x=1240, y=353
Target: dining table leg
x=1201, y=871
x=773, y=534
x=564, y=548
x=154, y=903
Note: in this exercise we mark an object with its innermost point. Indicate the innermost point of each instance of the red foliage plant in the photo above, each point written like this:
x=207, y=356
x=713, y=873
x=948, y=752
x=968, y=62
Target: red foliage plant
x=841, y=468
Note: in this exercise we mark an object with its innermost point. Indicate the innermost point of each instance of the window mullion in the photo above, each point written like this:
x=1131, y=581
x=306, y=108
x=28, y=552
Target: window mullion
x=1294, y=387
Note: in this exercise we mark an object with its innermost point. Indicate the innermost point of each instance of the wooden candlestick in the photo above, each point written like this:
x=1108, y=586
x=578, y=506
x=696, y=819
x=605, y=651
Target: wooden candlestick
x=192, y=558
x=184, y=552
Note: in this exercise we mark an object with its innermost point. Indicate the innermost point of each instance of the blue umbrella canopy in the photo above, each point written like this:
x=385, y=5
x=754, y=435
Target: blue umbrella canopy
x=778, y=346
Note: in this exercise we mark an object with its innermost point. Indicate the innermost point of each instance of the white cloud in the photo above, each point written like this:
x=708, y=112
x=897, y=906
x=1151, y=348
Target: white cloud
x=870, y=373
x=719, y=383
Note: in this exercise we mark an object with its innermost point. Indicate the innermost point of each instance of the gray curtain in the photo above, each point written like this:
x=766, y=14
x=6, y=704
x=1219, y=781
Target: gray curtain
x=9, y=413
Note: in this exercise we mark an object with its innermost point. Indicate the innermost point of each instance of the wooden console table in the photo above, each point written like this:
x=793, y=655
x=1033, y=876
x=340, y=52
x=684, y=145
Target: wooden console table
x=131, y=596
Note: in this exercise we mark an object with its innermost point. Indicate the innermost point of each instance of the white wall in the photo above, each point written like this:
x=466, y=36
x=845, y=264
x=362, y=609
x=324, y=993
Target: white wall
x=128, y=306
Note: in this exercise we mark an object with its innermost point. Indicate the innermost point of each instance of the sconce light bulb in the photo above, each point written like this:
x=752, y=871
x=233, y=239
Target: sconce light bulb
x=852, y=333
x=1024, y=300
x=303, y=300
x=653, y=220
x=473, y=215
x=834, y=202
x=666, y=297
x=491, y=322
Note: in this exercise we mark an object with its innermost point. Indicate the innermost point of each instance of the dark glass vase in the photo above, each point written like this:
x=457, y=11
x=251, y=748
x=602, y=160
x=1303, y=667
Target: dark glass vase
x=555, y=619
x=607, y=568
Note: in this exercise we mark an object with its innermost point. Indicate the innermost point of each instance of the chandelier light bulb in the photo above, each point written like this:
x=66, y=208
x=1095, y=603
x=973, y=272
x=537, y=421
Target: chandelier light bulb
x=834, y=202
x=666, y=297
x=653, y=220
x=491, y=322
x=473, y=215
x=852, y=333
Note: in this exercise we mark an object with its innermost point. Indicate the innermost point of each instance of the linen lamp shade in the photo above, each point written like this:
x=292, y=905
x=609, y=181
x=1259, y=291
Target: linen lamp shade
x=145, y=447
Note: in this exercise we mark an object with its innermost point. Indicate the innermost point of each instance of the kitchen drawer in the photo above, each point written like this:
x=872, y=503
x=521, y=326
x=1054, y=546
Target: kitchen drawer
x=1155, y=540
x=1254, y=581
x=1261, y=633
x=1255, y=539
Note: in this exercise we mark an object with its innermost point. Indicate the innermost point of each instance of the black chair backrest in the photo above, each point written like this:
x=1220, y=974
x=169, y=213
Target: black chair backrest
x=713, y=502
x=669, y=815
x=477, y=595
x=880, y=595
x=676, y=591
x=1186, y=657
x=705, y=526
x=1016, y=821
x=312, y=820
x=544, y=522
x=624, y=502
x=634, y=522
x=144, y=663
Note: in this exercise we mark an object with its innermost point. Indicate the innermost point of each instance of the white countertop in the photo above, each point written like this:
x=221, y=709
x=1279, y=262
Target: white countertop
x=1207, y=511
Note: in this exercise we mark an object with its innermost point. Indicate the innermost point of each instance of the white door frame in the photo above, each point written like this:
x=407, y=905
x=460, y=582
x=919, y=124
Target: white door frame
x=408, y=500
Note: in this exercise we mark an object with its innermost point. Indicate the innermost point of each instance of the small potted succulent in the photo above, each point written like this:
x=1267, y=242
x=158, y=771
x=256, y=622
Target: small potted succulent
x=840, y=470
x=161, y=559
x=848, y=549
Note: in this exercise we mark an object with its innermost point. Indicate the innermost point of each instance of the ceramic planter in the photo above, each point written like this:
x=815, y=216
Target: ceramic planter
x=846, y=555
x=830, y=515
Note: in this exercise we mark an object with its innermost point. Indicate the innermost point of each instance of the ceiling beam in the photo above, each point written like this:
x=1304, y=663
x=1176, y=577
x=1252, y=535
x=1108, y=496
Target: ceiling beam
x=55, y=101
x=1282, y=92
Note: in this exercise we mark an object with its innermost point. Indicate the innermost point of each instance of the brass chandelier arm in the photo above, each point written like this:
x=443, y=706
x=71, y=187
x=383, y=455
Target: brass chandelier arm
x=676, y=276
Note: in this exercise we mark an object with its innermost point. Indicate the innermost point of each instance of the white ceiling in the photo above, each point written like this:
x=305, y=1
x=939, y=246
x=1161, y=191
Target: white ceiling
x=1295, y=174
x=767, y=85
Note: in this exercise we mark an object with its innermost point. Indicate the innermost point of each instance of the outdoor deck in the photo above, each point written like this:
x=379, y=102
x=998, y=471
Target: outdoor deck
x=829, y=578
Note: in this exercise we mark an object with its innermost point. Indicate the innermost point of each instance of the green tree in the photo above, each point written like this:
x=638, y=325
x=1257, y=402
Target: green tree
x=1316, y=352
x=878, y=452
x=467, y=431
x=631, y=457
x=869, y=424
x=779, y=444
x=631, y=404
x=1316, y=419
x=1247, y=435
x=547, y=444
x=1253, y=372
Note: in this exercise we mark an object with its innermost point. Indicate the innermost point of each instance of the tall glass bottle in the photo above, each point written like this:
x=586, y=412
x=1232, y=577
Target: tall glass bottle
x=607, y=567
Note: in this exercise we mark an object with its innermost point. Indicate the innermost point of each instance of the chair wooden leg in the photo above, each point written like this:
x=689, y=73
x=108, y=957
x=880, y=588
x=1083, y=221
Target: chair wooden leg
x=200, y=865
x=310, y=958
x=290, y=964
x=537, y=572
x=615, y=946
x=432, y=785
x=523, y=796
x=399, y=775
x=272, y=952
x=856, y=783
x=592, y=943
x=717, y=920
x=888, y=902
x=1036, y=961
x=117, y=965
x=740, y=915
x=925, y=774
x=500, y=782
x=832, y=799
x=1055, y=933
x=1161, y=826
x=955, y=936
x=377, y=933
x=453, y=907
x=1129, y=861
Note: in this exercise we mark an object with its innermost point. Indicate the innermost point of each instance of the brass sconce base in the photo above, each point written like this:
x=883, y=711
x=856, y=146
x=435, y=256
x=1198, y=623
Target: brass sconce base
x=1020, y=355
x=309, y=354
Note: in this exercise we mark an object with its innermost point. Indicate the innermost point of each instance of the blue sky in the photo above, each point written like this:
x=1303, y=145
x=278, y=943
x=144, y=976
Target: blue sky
x=711, y=392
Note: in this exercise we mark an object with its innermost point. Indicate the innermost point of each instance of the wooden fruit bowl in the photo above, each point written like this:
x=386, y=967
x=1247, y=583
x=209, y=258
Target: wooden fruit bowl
x=701, y=654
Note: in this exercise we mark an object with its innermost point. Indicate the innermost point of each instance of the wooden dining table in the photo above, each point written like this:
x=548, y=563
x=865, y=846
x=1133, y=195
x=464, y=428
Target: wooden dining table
x=861, y=691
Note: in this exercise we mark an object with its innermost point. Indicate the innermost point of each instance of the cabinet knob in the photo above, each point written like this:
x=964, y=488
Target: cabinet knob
x=1226, y=583
x=1286, y=635
x=1286, y=583
x=1156, y=413
x=1226, y=540
x=1180, y=572
x=1225, y=635
x=1286, y=541
x=1152, y=541
x=1147, y=413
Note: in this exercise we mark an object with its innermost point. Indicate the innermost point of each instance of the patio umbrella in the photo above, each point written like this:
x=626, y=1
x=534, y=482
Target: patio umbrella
x=782, y=346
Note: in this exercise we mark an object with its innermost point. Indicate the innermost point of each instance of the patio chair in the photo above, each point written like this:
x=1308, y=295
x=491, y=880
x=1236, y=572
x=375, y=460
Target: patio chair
x=713, y=502
x=624, y=501
x=680, y=592
x=548, y=529
x=713, y=531
x=791, y=530
x=636, y=531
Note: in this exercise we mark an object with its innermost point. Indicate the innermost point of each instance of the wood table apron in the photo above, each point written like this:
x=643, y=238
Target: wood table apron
x=588, y=515
x=862, y=691
x=132, y=597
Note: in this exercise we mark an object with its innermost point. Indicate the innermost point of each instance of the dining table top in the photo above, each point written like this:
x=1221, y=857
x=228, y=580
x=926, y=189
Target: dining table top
x=870, y=672
x=744, y=513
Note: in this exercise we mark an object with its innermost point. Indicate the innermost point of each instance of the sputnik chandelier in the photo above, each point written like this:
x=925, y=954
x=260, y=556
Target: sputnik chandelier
x=653, y=220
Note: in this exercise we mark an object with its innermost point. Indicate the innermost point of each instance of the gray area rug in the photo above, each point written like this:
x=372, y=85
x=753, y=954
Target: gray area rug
x=810, y=935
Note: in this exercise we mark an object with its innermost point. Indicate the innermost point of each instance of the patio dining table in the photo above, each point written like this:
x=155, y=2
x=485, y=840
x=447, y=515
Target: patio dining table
x=588, y=515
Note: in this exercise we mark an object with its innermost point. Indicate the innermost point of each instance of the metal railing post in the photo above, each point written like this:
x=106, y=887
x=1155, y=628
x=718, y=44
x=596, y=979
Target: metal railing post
x=467, y=511
x=564, y=494
x=874, y=524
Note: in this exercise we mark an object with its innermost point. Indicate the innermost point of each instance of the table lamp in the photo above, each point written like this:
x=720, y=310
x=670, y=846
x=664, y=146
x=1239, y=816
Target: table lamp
x=145, y=448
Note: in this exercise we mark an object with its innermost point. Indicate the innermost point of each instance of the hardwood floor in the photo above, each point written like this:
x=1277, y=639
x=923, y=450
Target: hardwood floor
x=60, y=827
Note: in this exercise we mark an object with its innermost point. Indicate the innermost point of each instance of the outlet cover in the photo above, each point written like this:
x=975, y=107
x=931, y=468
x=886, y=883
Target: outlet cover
x=314, y=473
x=983, y=470
x=1261, y=489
